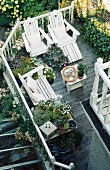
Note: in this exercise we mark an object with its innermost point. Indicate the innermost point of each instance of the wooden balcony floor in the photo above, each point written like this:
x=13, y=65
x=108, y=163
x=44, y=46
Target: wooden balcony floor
x=75, y=97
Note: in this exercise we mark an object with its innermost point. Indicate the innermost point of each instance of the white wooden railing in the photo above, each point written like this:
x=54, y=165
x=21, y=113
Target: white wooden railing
x=67, y=11
x=101, y=104
x=7, y=52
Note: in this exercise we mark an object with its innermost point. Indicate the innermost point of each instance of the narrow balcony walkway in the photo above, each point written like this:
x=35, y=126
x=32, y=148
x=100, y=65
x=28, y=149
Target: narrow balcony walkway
x=75, y=97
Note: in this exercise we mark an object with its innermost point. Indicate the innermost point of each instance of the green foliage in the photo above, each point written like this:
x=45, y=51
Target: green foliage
x=82, y=68
x=67, y=142
x=78, y=136
x=4, y=20
x=96, y=34
x=55, y=58
x=21, y=66
x=51, y=111
x=7, y=104
x=25, y=8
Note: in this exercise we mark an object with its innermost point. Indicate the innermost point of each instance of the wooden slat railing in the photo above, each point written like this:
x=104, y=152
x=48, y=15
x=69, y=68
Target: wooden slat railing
x=101, y=105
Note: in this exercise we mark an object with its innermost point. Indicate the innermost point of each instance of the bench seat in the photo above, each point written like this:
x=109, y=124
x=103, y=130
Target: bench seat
x=43, y=86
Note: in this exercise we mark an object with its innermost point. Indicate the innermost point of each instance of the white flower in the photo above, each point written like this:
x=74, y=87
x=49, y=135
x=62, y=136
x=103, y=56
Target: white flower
x=16, y=2
x=4, y=9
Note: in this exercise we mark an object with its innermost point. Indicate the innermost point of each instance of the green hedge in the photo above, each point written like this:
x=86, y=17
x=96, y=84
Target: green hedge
x=13, y=9
x=96, y=34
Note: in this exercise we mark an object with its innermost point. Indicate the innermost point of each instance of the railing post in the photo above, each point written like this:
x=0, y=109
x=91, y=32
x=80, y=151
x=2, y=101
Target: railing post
x=58, y=4
x=104, y=93
x=1, y=51
x=107, y=115
x=53, y=160
x=94, y=94
x=71, y=165
x=18, y=22
x=72, y=11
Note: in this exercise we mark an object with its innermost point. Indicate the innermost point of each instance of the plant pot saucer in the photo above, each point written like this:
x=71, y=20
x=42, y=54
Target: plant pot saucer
x=80, y=77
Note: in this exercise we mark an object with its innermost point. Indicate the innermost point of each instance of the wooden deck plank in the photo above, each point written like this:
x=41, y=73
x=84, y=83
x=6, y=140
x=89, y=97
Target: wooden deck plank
x=75, y=97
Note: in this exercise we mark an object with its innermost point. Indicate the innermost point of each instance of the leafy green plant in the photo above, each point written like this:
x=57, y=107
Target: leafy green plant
x=7, y=104
x=55, y=58
x=98, y=36
x=82, y=68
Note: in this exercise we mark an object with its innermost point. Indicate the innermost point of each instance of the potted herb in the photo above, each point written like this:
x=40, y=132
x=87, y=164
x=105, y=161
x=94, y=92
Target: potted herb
x=82, y=68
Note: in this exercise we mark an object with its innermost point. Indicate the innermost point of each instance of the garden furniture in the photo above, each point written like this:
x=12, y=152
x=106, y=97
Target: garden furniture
x=61, y=38
x=70, y=78
x=33, y=38
x=38, y=89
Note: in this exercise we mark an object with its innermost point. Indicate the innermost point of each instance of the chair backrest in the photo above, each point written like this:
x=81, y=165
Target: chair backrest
x=31, y=26
x=32, y=31
x=56, y=19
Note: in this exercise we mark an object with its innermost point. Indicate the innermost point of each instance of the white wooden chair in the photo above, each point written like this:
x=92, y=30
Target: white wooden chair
x=57, y=29
x=33, y=38
x=38, y=89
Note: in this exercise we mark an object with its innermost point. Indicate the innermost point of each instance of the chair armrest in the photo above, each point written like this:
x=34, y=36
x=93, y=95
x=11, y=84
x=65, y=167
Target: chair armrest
x=27, y=46
x=52, y=35
x=46, y=36
x=71, y=27
x=38, y=69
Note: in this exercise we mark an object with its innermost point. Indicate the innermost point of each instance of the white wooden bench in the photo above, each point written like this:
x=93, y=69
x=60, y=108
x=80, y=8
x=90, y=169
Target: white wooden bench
x=38, y=89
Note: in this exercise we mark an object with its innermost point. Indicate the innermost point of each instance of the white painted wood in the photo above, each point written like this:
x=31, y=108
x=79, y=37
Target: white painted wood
x=104, y=93
x=33, y=40
x=46, y=36
x=43, y=87
x=76, y=84
x=107, y=114
x=101, y=105
x=27, y=46
x=94, y=94
x=57, y=30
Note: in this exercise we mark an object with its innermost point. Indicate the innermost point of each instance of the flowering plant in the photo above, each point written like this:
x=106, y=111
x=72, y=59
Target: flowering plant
x=48, y=72
x=25, y=131
x=21, y=66
x=65, y=3
x=55, y=58
x=50, y=111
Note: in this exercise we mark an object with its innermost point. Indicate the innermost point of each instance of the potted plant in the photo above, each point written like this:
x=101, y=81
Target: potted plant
x=55, y=58
x=24, y=66
x=82, y=68
x=50, y=75
x=78, y=137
